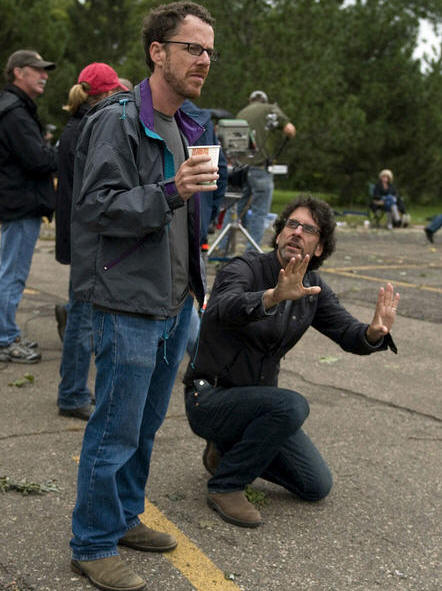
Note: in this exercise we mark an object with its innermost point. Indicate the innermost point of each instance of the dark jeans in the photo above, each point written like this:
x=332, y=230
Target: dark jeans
x=257, y=430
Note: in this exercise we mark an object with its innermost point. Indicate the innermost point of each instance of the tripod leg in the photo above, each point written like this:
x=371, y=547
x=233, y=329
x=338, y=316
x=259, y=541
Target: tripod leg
x=220, y=237
x=249, y=238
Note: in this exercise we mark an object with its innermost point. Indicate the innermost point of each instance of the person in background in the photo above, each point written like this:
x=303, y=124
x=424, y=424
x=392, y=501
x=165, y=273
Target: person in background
x=136, y=259
x=95, y=82
x=266, y=122
x=433, y=227
x=386, y=196
x=27, y=164
x=210, y=203
x=124, y=82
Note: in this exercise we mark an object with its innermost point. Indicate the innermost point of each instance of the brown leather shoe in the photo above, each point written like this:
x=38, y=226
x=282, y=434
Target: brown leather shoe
x=211, y=458
x=235, y=508
x=145, y=539
x=110, y=574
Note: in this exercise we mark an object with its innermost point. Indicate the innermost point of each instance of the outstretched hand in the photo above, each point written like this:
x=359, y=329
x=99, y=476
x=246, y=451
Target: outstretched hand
x=290, y=286
x=384, y=315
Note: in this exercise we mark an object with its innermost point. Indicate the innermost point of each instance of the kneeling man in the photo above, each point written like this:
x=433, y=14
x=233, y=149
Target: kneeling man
x=261, y=305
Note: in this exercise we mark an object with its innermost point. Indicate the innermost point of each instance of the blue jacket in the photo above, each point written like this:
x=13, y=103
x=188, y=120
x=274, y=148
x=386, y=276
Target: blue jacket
x=203, y=117
x=124, y=198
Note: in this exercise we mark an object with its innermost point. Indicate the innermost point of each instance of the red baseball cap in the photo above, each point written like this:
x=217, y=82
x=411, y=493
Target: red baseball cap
x=101, y=78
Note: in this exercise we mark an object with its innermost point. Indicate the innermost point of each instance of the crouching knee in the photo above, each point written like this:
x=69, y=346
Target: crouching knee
x=319, y=487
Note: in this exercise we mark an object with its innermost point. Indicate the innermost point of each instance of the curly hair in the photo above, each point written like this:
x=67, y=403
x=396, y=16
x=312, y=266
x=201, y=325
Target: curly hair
x=323, y=215
x=162, y=22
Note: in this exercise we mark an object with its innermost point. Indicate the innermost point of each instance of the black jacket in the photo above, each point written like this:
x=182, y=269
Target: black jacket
x=63, y=205
x=26, y=162
x=242, y=345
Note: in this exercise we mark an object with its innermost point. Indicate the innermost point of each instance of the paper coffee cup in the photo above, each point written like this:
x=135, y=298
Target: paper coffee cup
x=212, y=151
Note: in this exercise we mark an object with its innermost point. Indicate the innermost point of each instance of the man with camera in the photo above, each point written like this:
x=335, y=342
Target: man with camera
x=266, y=121
x=261, y=305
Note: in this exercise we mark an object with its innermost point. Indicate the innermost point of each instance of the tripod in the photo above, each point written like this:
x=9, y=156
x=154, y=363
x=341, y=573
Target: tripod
x=231, y=229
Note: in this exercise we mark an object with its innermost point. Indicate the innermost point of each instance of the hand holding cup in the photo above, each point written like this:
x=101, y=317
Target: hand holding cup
x=199, y=172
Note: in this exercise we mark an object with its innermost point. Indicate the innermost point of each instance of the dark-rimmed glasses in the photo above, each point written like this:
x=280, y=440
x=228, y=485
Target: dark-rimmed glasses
x=307, y=228
x=196, y=49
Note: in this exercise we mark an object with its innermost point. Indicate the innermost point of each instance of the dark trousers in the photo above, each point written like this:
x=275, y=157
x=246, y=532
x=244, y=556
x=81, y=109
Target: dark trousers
x=257, y=430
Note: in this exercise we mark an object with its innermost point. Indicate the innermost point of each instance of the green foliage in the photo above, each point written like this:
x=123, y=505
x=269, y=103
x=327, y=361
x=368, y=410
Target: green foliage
x=344, y=74
x=26, y=487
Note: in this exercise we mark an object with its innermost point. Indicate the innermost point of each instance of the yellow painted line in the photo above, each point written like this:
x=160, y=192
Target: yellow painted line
x=30, y=291
x=376, y=267
x=198, y=569
x=383, y=280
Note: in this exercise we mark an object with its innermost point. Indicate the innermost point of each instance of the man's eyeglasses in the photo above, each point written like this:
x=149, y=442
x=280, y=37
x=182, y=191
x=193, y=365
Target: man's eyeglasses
x=307, y=228
x=197, y=49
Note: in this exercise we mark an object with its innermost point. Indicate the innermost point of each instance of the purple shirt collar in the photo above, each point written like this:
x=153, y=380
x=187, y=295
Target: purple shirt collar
x=189, y=127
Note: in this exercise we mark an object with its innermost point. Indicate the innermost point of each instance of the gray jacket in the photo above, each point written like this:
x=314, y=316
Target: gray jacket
x=123, y=201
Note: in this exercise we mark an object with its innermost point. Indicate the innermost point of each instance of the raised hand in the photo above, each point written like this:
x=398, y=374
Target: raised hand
x=290, y=286
x=384, y=315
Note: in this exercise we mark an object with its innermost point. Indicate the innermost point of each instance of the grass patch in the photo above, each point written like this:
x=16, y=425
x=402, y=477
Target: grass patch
x=26, y=487
x=420, y=214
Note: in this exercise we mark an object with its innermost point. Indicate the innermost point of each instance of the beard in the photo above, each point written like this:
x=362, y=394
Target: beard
x=179, y=85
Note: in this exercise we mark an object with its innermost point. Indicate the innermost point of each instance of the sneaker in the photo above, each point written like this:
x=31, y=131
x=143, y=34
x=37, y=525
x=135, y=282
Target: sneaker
x=16, y=352
x=235, y=508
x=27, y=342
x=61, y=317
x=110, y=574
x=146, y=539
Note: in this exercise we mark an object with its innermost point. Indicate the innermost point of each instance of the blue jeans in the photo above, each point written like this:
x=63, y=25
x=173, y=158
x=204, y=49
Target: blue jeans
x=257, y=430
x=73, y=391
x=435, y=223
x=137, y=360
x=260, y=186
x=17, y=245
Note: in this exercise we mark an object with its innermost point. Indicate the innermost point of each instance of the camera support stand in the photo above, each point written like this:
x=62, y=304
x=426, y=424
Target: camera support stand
x=230, y=230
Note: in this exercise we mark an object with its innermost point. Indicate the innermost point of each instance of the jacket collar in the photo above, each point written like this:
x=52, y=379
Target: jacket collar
x=31, y=106
x=191, y=129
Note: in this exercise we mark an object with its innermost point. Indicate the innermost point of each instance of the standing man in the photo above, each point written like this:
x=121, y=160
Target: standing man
x=136, y=257
x=265, y=121
x=26, y=191
x=260, y=307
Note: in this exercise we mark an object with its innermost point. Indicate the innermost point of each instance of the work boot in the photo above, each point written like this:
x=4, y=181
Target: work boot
x=211, y=458
x=145, y=539
x=82, y=412
x=234, y=508
x=110, y=574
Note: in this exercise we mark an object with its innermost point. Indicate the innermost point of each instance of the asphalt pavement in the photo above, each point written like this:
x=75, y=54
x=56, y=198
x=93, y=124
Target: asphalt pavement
x=377, y=421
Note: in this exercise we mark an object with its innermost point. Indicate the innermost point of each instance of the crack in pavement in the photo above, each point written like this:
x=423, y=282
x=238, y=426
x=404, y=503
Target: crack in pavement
x=365, y=397
x=33, y=433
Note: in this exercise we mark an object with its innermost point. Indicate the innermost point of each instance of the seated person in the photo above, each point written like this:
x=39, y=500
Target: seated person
x=261, y=305
x=385, y=196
